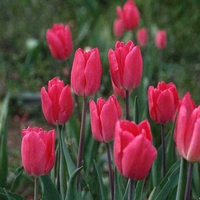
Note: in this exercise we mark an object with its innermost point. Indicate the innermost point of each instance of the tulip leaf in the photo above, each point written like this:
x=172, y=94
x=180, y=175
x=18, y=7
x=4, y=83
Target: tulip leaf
x=18, y=172
x=126, y=190
x=168, y=182
x=170, y=150
x=5, y=195
x=138, y=193
x=72, y=193
x=49, y=190
x=70, y=165
x=117, y=189
x=182, y=180
x=157, y=165
x=102, y=188
x=3, y=141
x=196, y=180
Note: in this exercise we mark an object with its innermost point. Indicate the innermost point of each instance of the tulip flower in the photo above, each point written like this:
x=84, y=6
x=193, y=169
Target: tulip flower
x=129, y=15
x=57, y=102
x=86, y=72
x=133, y=150
x=142, y=37
x=187, y=130
x=104, y=115
x=163, y=102
x=125, y=65
x=38, y=151
x=161, y=39
x=118, y=28
x=60, y=41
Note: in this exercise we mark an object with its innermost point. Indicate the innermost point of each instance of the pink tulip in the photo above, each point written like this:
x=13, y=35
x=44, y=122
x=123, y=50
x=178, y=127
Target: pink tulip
x=86, y=72
x=187, y=130
x=142, y=37
x=118, y=28
x=129, y=15
x=38, y=151
x=161, y=39
x=104, y=115
x=125, y=65
x=57, y=102
x=60, y=41
x=163, y=102
x=133, y=150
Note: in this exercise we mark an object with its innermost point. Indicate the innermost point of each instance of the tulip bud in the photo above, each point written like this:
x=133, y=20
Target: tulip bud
x=142, y=37
x=57, y=102
x=163, y=102
x=38, y=151
x=161, y=39
x=118, y=28
x=125, y=65
x=133, y=150
x=103, y=116
x=86, y=72
x=129, y=15
x=60, y=41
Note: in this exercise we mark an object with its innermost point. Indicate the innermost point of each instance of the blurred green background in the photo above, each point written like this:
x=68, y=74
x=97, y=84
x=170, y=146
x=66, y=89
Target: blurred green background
x=26, y=63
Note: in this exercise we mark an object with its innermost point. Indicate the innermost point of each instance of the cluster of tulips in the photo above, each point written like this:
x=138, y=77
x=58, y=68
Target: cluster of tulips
x=133, y=149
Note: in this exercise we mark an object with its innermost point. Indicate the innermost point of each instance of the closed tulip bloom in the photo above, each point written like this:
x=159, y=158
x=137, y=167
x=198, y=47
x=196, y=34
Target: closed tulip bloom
x=161, y=39
x=104, y=115
x=118, y=28
x=38, y=151
x=133, y=150
x=60, y=41
x=86, y=72
x=125, y=65
x=129, y=15
x=187, y=129
x=163, y=102
x=57, y=102
x=142, y=37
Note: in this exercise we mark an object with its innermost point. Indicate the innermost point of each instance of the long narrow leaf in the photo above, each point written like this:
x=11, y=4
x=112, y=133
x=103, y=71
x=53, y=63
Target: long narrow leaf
x=118, y=191
x=3, y=141
x=182, y=180
x=5, y=195
x=18, y=172
x=168, y=182
x=139, y=190
x=102, y=189
x=50, y=192
x=70, y=165
x=72, y=193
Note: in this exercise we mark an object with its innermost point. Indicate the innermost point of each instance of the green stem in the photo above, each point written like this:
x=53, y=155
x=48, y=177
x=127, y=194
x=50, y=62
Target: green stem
x=131, y=190
x=189, y=181
x=111, y=175
x=81, y=139
x=36, y=183
x=127, y=105
x=163, y=150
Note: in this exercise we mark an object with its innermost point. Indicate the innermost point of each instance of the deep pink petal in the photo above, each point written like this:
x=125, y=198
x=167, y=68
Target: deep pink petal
x=47, y=106
x=66, y=105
